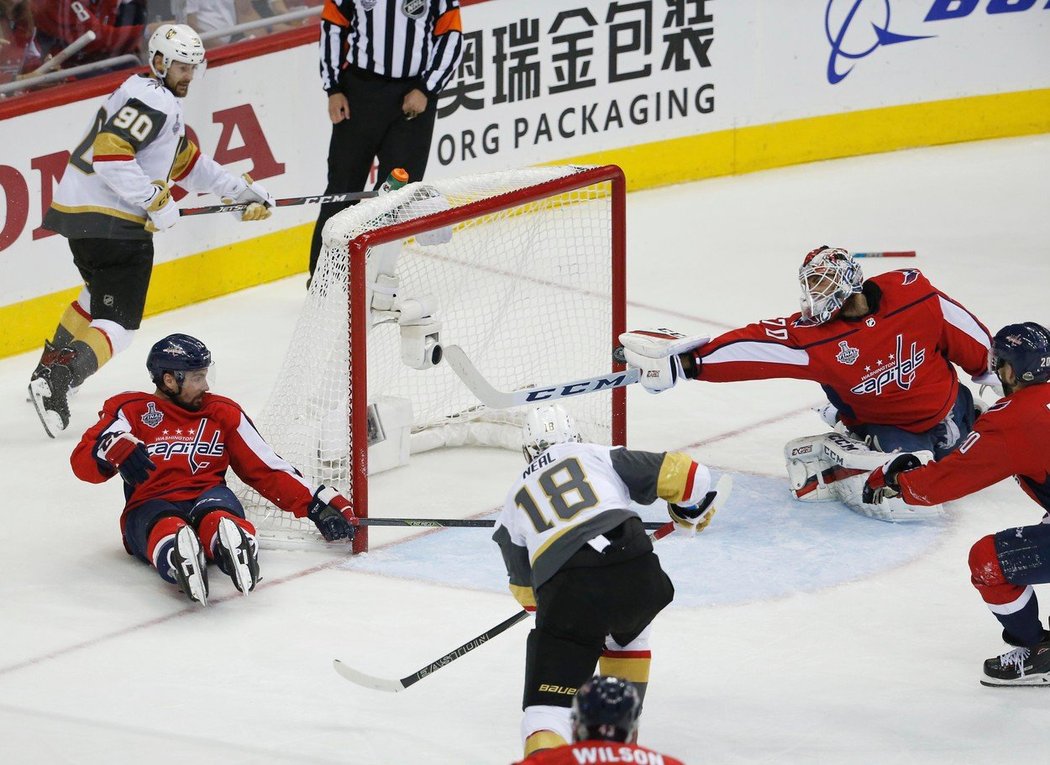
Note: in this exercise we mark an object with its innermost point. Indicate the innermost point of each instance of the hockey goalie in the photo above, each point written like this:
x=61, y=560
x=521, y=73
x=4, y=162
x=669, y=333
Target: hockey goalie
x=885, y=352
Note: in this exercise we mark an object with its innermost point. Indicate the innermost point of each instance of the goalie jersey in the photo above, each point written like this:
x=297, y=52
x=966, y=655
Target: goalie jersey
x=137, y=137
x=192, y=451
x=573, y=493
x=890, y=367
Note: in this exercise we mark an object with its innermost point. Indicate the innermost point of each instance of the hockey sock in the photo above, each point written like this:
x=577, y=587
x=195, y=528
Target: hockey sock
x=543, y=739
x=632, y=666
x=208, y=530
x=160, y=543
x=92, y=349
x=1014, y=605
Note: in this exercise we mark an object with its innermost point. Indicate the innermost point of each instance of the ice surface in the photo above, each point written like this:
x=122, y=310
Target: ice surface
x=801, y=633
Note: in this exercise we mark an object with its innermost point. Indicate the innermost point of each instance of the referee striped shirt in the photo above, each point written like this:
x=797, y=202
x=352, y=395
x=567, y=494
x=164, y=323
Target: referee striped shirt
x=399, y=39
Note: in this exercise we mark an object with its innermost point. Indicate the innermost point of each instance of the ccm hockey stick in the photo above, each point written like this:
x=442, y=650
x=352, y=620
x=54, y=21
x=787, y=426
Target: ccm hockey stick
x=497, y=399
x=349, y=196
x=453, y=522
x=722, y=492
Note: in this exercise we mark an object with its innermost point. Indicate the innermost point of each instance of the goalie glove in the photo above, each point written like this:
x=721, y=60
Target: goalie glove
x=331, y=513
x=126, y=454
x=658, y=354
x=882, y=482
x=693, y=519
x=259, y=200
x=161, y=208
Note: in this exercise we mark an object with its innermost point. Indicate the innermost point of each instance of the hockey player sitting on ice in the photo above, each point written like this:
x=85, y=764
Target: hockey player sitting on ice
x=882, y=349
x=113, y=196
x=583, y=561
x=604, y=722
x=172, y=448
x=1011, y=439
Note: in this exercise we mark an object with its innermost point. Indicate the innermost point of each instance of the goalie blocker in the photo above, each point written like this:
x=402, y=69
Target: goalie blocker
x=832, y=466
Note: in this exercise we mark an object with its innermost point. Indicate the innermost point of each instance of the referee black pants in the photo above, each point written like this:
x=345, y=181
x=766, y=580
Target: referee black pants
x=376, y=127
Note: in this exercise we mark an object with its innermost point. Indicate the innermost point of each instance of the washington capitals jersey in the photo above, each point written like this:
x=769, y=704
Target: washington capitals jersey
x=117, y=25
x=192, y=451
x=1011, y=439
x=891, y=367
x=575, y=492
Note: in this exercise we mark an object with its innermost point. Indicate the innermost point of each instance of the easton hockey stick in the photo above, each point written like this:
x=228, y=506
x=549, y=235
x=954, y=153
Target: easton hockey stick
x=497, y=399
x=723, y=489
x=286, y=202
x=453, y=522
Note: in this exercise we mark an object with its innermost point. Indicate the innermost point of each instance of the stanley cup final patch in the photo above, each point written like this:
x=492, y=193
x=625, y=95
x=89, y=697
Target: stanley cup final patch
x=847, y=354
x=414, y=9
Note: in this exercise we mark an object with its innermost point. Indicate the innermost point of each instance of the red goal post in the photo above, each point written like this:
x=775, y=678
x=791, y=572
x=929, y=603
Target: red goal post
x=524, y=269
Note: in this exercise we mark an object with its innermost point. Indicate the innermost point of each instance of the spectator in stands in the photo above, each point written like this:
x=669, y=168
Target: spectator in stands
x=118, y=26
x=18, y=51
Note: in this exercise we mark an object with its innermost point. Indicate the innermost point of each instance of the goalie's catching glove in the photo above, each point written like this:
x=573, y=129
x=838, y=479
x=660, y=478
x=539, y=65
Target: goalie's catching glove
x=127, y=455
x=882, y=483
x=693, y=519
x=331, y=513
x=259, y=200
x=658, y=354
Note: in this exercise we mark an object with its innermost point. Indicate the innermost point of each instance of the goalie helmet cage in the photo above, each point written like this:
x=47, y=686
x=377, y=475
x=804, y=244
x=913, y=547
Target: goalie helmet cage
x=531, y=285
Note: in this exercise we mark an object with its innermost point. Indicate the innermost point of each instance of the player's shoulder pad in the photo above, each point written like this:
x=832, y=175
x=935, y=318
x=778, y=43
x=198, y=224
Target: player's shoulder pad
x=216, y=402
x=906, y=278
x=115, y=403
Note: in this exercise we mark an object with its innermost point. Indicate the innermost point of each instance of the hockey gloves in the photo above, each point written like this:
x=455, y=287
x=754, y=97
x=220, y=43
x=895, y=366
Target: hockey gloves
x=161, y=208
x=882, y=482
x=330, y=511
x=260, y=200
x=127, y=455
x=656, y=352
x=693, y=519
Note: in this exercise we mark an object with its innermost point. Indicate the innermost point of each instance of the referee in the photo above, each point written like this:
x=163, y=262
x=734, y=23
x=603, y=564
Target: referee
x=383, y=63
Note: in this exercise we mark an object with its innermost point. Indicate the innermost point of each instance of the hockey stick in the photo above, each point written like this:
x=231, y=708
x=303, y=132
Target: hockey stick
x=497, y=399
x=722, y=489
x=453, y=522
x=286, y=202
x=60, y=58
x=900, y=254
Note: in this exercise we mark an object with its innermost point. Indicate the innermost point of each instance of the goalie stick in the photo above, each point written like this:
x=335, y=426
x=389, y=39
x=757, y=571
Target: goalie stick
x=349, y=196
x=454, y=522
x=722, y=492
x=497, y=399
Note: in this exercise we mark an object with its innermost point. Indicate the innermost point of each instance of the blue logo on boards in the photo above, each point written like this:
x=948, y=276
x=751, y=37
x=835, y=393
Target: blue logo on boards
x=856, y=29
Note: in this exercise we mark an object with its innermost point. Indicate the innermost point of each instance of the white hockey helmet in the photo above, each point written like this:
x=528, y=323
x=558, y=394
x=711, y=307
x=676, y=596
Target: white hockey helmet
x=174, y=42
x=544, y=427
x=828, y=276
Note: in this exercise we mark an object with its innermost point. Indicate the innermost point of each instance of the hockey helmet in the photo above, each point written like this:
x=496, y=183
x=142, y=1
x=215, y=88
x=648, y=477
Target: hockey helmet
x=177, y=354
x=606, y=709
x=544, y=427
x=174, y=42
x=828, y=276
x=1026, y=348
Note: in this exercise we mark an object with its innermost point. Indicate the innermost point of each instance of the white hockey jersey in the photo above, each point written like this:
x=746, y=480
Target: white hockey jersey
x=573, y=493
x=137, y=137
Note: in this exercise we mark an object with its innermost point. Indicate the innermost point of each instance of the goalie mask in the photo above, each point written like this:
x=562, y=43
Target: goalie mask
x=828, y=277
x=174, y=42
x=544, y=427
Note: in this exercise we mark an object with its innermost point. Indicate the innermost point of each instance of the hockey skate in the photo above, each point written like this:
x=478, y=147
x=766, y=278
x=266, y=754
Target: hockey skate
x=237, y=556
x=49, y=392
x=50, y=355
x=191, y=573
x=1021, y=666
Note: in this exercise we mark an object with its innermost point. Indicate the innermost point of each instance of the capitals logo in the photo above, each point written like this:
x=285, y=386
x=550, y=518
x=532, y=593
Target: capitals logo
x=900, y=370
x=194, y=447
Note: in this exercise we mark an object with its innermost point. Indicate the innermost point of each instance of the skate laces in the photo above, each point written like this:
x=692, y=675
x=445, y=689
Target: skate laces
x=1015, y=658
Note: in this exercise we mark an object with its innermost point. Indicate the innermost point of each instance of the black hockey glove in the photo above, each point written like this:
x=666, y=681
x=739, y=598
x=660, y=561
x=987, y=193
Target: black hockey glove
x=329, y=511
x=693, y=518
x=128, y=455
x=882, y=483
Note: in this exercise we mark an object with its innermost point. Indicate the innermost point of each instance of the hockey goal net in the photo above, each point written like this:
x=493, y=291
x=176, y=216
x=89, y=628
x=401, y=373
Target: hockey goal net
x=523, y=269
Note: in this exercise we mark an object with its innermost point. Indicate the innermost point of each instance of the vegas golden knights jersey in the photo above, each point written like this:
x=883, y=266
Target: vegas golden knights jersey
x=137, y=137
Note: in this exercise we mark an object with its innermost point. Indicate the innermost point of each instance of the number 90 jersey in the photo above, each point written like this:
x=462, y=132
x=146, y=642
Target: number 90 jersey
x=575, y=492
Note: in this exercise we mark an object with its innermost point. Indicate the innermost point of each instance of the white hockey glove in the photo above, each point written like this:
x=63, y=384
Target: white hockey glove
x=656, y=353
x=161, y=208
x=692, y=519
x=260, y=200
x=829, y=413
x=991, y=381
